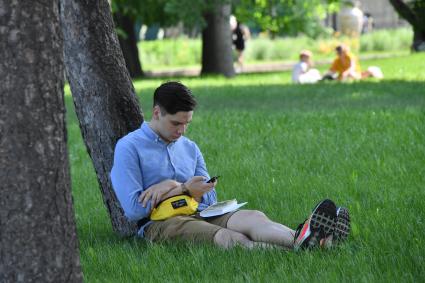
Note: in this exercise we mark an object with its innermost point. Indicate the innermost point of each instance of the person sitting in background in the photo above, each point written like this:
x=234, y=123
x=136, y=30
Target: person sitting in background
x=302, y=72
x=346, y=66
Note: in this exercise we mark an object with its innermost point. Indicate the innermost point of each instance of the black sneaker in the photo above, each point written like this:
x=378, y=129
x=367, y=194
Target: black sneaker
x=343, y=227
x=319, y=227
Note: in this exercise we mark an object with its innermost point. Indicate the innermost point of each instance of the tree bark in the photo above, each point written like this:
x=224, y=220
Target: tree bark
x=38, y=240
x=415, y=16
x=129, y=45
x=418, y=40
x=105, y=101
x=217, y=42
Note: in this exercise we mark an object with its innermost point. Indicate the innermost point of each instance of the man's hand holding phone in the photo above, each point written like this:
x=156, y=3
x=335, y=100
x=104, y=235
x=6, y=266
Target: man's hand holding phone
x=213, y=179
x=197, y=186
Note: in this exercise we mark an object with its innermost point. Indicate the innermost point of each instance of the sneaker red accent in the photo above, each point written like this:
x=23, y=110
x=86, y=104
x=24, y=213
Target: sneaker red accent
x=306, y=228
x=302, y=235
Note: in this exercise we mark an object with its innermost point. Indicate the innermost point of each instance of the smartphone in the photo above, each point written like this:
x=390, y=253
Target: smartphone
x=213, y=179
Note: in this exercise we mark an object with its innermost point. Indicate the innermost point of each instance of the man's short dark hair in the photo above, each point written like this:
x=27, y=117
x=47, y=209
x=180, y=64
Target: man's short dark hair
x=173, y=97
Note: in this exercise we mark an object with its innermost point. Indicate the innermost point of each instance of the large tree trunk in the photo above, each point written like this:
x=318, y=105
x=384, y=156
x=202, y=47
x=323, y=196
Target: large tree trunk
x=418, y=39
x=38, y=240
x=129, y=45
x=217, y=42
x=104, y=97
x=414, y=14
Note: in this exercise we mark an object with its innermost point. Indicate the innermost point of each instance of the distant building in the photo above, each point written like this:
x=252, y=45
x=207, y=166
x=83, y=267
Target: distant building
x=383, y=14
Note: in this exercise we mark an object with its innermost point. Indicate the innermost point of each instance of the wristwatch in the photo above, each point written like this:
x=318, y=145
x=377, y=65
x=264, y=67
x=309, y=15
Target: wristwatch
x=185, y=190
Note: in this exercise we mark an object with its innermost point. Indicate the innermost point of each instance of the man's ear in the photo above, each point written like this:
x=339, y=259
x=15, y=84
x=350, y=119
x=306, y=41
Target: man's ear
x=156, y=112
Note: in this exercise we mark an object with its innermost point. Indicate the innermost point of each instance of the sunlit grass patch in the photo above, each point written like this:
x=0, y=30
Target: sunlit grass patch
x=282, y=148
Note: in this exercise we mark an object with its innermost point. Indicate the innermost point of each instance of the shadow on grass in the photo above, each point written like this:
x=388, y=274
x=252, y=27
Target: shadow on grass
x=328, y=96
x=321, y=97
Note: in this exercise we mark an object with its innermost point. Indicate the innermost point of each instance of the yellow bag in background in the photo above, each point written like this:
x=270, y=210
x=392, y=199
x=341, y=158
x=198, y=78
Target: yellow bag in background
x=173, y=206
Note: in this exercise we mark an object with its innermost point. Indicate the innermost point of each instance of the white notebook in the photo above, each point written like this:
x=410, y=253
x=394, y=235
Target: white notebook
x=221, y=207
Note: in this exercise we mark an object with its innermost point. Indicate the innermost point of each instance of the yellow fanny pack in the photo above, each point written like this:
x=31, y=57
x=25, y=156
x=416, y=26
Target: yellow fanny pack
x=173, y=206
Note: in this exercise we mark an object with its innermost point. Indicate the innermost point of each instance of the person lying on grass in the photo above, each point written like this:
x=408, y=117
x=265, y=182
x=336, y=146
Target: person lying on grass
x=156, y=162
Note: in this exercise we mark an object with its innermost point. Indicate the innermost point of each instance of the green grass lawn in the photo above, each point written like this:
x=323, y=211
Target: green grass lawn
x=282, y=148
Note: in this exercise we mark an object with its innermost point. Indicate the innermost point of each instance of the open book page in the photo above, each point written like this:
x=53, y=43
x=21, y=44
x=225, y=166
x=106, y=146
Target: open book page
x=221, y=207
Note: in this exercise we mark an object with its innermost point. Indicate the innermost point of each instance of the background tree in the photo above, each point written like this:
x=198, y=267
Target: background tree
x=125, y=14
x=210, y=15
x=217, y=51
x=213, y=17
x=283, y=17
x=104, y=97
x=38, y=240
x=128, y=42
x=414, y=13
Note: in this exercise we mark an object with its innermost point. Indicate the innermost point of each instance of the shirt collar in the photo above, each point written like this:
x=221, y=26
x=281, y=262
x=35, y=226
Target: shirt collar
x=150, y=133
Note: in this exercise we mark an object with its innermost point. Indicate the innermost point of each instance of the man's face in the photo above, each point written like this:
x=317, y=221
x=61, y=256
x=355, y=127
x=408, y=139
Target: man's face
x=172, y=126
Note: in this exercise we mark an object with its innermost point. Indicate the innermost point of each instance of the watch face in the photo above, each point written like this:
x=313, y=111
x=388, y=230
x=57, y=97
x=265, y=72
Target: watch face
x=184, y=189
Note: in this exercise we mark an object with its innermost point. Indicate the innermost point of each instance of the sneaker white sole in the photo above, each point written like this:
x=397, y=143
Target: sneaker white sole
x=324, y=217
x=321, y=225
x=343, y=226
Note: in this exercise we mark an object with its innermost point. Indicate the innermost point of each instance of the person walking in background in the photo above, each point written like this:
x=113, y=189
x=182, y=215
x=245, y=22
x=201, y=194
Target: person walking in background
x=368, y=23
x=240, y=33
x=302, y=72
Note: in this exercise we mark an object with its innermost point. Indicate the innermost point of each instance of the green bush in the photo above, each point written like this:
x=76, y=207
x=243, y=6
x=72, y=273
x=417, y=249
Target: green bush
x=387, y=40
x=187, y=52
x=278, y=49
x=170, y=52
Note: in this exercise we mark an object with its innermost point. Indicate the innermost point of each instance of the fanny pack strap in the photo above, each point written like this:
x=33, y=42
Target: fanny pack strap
x=142, y=222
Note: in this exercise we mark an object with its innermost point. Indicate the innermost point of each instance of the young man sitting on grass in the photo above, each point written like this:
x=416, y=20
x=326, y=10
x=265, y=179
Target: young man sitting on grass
x=156, y=162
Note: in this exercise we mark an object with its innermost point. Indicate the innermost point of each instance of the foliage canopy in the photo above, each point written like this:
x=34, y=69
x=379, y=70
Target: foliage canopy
x=288, y=17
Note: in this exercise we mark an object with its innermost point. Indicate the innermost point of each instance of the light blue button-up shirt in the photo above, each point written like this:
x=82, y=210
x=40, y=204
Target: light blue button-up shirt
x=143, y=159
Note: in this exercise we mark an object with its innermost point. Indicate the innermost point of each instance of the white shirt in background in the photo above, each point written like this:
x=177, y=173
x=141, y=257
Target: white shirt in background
x=301, y=74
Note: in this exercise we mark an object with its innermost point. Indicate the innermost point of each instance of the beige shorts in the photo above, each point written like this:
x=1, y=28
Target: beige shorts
x=192, y=228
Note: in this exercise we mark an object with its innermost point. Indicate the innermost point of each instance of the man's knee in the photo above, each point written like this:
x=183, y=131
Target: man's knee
x=251, y=223
x=226, y=238
x=253, y=215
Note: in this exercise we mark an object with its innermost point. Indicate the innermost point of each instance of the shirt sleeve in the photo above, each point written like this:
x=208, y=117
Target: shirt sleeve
x=210, y=197
x=126, y=177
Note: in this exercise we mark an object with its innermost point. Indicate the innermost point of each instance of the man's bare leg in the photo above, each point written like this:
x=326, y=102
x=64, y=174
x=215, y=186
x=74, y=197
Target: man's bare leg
x=226, y=238
x=259, y=228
